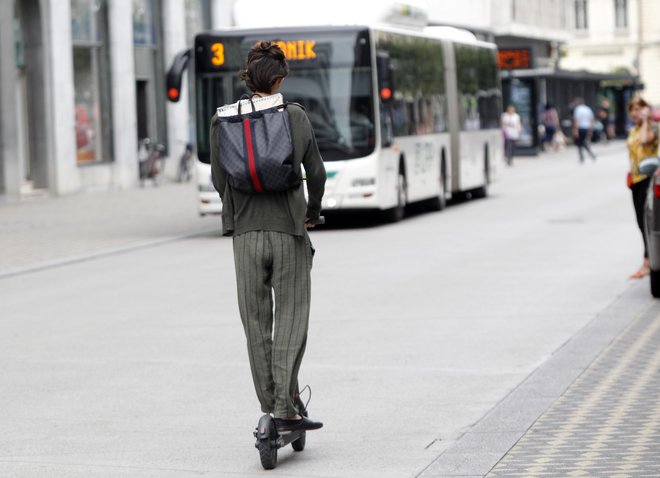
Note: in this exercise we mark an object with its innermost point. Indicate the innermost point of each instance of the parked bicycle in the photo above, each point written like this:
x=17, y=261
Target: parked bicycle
x=185, y=164
x=151, y=158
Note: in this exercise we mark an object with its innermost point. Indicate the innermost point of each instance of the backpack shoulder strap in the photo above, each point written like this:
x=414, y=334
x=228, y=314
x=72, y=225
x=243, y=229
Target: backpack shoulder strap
x=246, y=97
x=287, y=103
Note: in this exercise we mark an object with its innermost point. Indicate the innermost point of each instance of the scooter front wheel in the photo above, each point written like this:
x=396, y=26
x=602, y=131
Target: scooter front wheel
x=266, y=435
x=267, y=454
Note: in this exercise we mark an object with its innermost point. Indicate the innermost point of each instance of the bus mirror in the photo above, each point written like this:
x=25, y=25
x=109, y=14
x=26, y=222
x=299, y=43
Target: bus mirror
x=648, y=166
x=175, y=75
x=384, y=73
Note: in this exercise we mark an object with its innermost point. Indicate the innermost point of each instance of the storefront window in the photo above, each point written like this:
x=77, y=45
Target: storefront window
x=86, y=104
x=91, y=80
x=143, y=22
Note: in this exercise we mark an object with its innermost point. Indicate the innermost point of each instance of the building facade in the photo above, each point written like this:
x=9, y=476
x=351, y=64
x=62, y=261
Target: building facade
x=535, y=39
x=82, y=82
x=612, y=36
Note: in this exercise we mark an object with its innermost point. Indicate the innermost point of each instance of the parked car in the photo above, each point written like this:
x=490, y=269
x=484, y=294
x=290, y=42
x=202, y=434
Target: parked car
x=649, y=166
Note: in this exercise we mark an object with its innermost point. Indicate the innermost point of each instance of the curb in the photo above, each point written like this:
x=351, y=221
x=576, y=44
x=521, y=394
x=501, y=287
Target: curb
x=67, y=260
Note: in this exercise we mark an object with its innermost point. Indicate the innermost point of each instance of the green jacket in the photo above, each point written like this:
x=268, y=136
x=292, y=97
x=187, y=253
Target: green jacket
x=283, y=211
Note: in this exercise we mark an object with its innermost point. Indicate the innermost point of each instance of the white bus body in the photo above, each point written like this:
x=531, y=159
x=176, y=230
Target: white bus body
x=438, y=134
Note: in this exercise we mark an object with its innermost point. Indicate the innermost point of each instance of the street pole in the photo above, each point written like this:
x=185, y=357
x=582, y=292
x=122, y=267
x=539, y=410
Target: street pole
x=640, y=37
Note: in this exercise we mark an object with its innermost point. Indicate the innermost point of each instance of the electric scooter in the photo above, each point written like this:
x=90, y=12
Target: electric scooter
x=269, y=440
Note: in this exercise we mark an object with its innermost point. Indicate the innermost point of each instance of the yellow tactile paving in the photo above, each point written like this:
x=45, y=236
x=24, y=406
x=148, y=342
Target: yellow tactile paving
x=607, y=424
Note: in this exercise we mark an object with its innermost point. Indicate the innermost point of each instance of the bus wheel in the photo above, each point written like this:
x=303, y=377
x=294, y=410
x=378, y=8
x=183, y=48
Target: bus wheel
x=479, y=193
x=438, y=203
x=397, y=212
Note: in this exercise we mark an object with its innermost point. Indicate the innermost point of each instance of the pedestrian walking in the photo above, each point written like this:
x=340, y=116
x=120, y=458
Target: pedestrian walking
x=583, y=127
x=511, y=128
x=606, y=119
x=550, y=119
x=642, y=142
x=273, y=252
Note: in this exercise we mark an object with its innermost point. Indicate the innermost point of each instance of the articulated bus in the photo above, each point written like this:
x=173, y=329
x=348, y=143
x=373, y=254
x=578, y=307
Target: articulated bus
x=400, y=115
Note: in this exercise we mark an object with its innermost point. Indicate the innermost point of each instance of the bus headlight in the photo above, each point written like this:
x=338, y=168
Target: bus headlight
x=332, y=202
x=363, y=182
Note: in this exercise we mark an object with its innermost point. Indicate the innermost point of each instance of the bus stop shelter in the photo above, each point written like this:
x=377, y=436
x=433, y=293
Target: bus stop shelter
x=530, y=90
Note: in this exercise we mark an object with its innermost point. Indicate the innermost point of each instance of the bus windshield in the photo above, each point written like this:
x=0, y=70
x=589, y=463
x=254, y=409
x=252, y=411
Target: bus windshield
x=330, y=75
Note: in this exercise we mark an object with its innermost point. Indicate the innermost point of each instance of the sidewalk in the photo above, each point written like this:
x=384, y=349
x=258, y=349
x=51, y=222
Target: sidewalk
x=608, y=422
x=593, y=409
x=45, y=231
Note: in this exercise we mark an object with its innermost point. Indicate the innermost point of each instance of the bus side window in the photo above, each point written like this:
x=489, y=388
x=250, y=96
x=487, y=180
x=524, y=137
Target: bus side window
x=386, y=129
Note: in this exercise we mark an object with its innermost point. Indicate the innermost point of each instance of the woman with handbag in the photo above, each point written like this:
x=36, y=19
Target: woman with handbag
x=642, y=142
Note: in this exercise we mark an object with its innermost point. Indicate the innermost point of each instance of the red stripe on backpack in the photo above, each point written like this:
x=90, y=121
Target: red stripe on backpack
x=250, y=152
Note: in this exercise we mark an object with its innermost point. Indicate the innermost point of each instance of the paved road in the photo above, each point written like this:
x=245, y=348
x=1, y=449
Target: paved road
x=134, y=364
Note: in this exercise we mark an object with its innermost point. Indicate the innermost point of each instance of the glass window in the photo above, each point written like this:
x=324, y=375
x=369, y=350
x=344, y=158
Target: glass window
x=621, y=13
x=342, y=117
x=489, y=95
x=86, y=93
x=82, y=16
x=419, y=103
x=331, y=78
x=91, y=80
x=581, y=15
x=479, y=97
x=144, y=32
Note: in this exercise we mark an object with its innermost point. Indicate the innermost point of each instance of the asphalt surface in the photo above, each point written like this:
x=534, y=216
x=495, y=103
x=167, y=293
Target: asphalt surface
x=435, y=343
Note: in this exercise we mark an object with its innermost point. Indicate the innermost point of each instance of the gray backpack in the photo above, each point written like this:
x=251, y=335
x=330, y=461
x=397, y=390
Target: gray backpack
x=256, y=150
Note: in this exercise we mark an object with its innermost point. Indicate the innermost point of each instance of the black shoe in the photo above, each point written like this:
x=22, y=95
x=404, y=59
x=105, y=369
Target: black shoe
x=284, y=425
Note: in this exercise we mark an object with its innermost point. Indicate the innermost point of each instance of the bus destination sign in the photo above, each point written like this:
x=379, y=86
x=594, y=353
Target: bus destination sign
x=298, y=49
x=295, y=50
x=514, y=59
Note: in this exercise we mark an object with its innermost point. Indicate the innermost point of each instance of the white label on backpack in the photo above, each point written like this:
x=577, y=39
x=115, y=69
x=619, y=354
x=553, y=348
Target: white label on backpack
x=260, y=103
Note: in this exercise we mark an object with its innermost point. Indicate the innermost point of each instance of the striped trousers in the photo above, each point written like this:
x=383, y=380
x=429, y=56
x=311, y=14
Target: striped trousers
x=274, y=290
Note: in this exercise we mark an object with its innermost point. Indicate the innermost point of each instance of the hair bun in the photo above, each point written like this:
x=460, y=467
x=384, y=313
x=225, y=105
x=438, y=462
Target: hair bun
x=266, y=63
